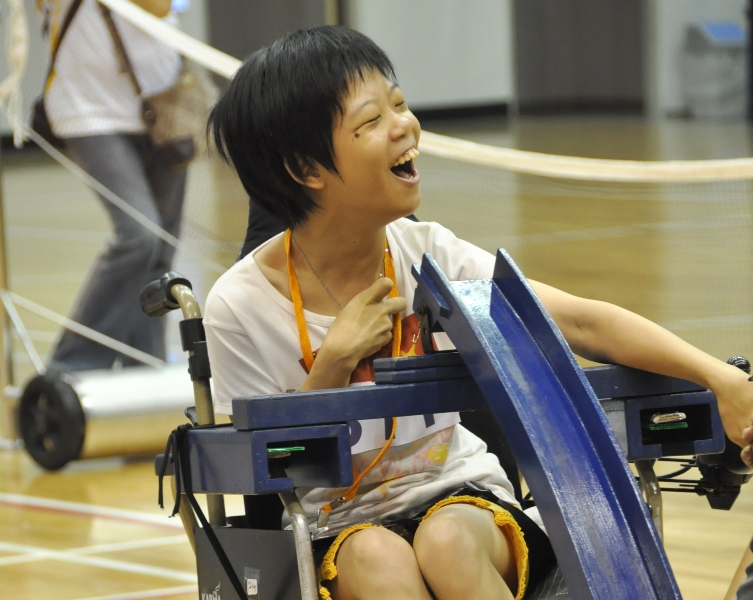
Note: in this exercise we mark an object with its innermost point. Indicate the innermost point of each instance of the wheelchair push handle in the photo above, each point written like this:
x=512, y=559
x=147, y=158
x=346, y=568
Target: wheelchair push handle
x=159, y=297
x=167, y=293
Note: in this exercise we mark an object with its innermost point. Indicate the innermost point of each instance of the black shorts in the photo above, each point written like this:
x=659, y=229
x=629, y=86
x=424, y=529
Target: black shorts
x=541, y=558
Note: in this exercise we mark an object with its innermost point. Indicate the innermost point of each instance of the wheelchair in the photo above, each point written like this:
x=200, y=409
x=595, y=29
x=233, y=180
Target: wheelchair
x=279, y=442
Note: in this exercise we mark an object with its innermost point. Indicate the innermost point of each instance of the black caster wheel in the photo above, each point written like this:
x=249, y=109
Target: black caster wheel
x=51, y=421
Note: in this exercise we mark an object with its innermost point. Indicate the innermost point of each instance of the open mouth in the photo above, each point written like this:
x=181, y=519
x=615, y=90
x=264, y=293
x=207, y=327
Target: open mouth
x=405, y=166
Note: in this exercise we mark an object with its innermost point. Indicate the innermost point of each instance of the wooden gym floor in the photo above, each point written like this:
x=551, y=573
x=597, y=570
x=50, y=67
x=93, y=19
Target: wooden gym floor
x=680, y=255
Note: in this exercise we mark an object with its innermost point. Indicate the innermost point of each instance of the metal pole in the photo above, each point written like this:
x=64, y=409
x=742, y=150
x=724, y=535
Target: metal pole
x=652, y=491
x=303, y=549
x=332, y=12
x=7, y=424
x=749, y=14
x=203, y=396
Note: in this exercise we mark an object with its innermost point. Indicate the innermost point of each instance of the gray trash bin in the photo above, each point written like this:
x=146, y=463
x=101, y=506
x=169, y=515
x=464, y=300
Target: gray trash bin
x=714, y=70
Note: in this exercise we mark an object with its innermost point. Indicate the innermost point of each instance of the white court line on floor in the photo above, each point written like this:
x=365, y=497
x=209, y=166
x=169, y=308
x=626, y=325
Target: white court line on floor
x=89, y=510
x=48, y=233
x=156, y=593
x=132, y=545
x=46, y=278
x=104, y=563
x=80, y=508
x=727, y=320
x=603, y=233
x=102, y=548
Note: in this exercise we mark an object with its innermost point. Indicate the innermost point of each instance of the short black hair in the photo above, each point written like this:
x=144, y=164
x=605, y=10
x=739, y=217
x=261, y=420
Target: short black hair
x=281, y=108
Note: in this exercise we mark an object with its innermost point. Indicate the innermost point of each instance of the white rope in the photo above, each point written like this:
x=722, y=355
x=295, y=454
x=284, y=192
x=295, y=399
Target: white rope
x=591, y=169
x=83, y=330
x=112, y=197
x=508, y=159
x=199, y=52
x=22, y=332
x=11, y=94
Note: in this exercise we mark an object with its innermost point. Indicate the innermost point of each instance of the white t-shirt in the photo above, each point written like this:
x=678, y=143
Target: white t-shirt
x=89, y=95
x=254, y=349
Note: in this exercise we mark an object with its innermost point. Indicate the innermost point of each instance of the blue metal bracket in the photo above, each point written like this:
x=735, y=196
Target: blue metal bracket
x=437, y=383
x=227, y=461
x=702, y=424
x=353, y=404
x=598, y=523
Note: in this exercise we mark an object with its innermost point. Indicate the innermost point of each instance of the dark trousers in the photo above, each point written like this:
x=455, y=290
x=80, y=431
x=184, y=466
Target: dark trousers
x=132, y=168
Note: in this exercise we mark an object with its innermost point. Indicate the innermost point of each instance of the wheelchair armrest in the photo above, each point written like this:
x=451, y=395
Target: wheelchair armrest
x=224, y=460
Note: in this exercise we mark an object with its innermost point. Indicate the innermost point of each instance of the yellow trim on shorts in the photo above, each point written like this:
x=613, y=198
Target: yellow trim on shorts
x=509, y=527
x=503, y=519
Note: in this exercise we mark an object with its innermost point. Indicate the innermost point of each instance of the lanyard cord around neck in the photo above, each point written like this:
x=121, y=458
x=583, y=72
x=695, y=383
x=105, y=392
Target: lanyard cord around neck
x=308, y=360
x=295, y=293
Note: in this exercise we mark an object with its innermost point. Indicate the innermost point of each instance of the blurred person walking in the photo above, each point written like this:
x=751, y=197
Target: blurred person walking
x=93, y=102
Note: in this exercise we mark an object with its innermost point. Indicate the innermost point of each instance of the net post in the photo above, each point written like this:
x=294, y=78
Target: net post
x=7, y=402
x=332, y=13
x=749, y=15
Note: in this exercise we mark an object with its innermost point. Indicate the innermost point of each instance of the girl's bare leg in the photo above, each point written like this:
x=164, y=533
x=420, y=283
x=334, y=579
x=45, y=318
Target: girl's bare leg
x=375, y=564
x=463, y=555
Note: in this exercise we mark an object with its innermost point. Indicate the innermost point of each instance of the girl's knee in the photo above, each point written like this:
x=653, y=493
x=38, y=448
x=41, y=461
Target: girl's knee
x=374, y=548
x=444, y=535
x=376, y=563
x=465, y=539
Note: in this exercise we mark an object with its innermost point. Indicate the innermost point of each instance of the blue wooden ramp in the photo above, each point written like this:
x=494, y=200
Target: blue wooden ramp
x=596, y=518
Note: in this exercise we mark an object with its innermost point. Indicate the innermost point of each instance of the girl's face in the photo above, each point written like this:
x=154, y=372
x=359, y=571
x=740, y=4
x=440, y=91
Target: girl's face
x=375, y=144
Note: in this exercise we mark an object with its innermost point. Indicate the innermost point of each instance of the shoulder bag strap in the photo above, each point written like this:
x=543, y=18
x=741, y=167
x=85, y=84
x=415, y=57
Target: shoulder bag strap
x=63, y=30
x=125, y=62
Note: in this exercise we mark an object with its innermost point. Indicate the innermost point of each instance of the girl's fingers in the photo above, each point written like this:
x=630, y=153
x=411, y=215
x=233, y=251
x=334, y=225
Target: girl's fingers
x=747, y=456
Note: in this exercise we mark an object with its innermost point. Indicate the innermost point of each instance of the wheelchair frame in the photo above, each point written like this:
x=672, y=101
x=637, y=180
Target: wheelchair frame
x=628, y=396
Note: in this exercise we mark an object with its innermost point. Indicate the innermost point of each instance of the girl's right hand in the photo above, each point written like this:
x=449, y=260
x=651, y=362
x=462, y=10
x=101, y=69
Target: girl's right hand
x=362, y=327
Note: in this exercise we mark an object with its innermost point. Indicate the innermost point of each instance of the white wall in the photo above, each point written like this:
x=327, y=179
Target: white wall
x=666, y=21
x=447, y=53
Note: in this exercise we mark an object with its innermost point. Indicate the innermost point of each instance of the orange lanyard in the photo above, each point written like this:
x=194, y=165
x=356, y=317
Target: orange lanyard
x=308, y=360
x=295, y=293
